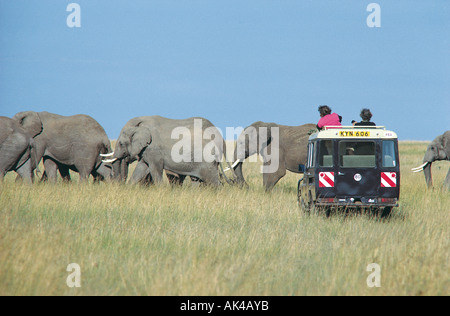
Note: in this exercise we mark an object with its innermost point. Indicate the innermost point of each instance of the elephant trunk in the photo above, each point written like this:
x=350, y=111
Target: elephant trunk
x=237, y=166
x=124, y=170
x=428, y=176
x=246, y=146
x=239, y=174
x=117, y=160
x=120, y=167
x=426, y=168
x=116, y=173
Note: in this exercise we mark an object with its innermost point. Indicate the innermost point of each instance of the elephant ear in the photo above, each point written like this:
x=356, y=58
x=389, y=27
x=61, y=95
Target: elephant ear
x=140, y=139
x=247, y=142
x=30, y=121
x=269, y=136
x=266, y=129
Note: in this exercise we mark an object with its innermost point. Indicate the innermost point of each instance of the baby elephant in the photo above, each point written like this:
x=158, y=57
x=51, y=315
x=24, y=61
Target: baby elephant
x=17, y=151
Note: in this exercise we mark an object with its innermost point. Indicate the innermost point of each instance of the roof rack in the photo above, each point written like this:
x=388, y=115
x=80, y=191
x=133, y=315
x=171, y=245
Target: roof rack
x=352, y=127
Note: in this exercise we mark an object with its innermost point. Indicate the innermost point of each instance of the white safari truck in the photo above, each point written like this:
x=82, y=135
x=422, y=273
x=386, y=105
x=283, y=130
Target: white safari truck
x=351, y=167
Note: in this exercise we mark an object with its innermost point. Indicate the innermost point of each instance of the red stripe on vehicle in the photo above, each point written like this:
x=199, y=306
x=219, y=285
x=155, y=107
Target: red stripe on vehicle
x=386, y=176
x=328, y=180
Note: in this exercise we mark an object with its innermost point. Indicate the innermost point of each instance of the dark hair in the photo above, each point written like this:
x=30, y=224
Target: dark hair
x=324, y=110
x=366, y=115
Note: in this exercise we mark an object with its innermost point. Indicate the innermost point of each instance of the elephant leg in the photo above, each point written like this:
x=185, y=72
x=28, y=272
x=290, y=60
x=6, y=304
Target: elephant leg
x=140, y=173
x=51, y=169
x=84, y=175
x=156, y=170
x=18, y=178
x=2, y=175
x=148, y=180
x=124, y=170
x=85, y=169
x=447, y=180
x=240, y=175
x=26, y=172
x=210, y=176
x=271, y=179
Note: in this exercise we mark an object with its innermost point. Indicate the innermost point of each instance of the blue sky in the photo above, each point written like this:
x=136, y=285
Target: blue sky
x=233, y=62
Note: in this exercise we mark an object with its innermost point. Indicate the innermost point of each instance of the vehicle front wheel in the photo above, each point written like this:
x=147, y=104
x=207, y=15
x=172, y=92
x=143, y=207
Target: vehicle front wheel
x=305, y=205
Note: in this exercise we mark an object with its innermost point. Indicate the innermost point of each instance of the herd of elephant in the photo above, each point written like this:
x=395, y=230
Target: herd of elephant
x=80, y=144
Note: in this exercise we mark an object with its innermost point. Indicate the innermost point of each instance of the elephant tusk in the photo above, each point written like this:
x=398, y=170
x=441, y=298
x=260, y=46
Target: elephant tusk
x=420, y=168
x=236, y=163
x=107, y=155
x=109, y=160
x=233, y=166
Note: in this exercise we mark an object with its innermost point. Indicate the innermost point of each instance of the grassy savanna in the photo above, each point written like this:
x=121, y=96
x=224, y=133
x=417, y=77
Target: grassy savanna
x=163, y=240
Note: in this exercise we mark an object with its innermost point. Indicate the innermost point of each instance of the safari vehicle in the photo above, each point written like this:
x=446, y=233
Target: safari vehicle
x=353, y=168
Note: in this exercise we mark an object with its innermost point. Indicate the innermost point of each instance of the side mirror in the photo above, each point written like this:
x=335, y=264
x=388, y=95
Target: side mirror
x=301, y=168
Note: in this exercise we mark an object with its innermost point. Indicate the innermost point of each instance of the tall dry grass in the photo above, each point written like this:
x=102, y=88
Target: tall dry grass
x=163, y=240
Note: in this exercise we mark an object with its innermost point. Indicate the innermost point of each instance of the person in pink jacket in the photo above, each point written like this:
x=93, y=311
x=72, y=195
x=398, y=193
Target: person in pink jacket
x=327, y=118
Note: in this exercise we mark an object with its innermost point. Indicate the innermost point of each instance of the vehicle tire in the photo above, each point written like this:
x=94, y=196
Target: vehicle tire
x=304, y=205
x=386, y=212
x=299, y=193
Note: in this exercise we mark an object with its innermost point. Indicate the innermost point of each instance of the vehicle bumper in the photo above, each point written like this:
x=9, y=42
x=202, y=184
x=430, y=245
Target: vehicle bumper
x=350, y=202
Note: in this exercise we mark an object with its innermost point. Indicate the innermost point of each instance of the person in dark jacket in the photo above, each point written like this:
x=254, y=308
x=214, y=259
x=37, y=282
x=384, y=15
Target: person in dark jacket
x=366, y=116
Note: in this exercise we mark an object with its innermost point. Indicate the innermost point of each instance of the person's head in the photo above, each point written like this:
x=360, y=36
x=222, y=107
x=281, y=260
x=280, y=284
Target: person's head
x=366, y=115
x=324, y=110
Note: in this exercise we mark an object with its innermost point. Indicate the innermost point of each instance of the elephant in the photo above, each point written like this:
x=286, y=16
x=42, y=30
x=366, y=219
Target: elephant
x=17, y=150
x=68, y=143
x=154, y=141
x=259, y=138
x=438, y=149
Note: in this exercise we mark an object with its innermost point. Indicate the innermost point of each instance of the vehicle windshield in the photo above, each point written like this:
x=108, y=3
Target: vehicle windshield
x=357, y=154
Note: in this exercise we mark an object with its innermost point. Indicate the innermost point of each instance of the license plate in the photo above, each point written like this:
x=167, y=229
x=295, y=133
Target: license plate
x=354, y=134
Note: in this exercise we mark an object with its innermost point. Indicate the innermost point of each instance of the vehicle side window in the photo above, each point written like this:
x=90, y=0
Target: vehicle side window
x=311, y=155
x=388, y=156
x=357, y=154
x=326, y=153
x=314, y=154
